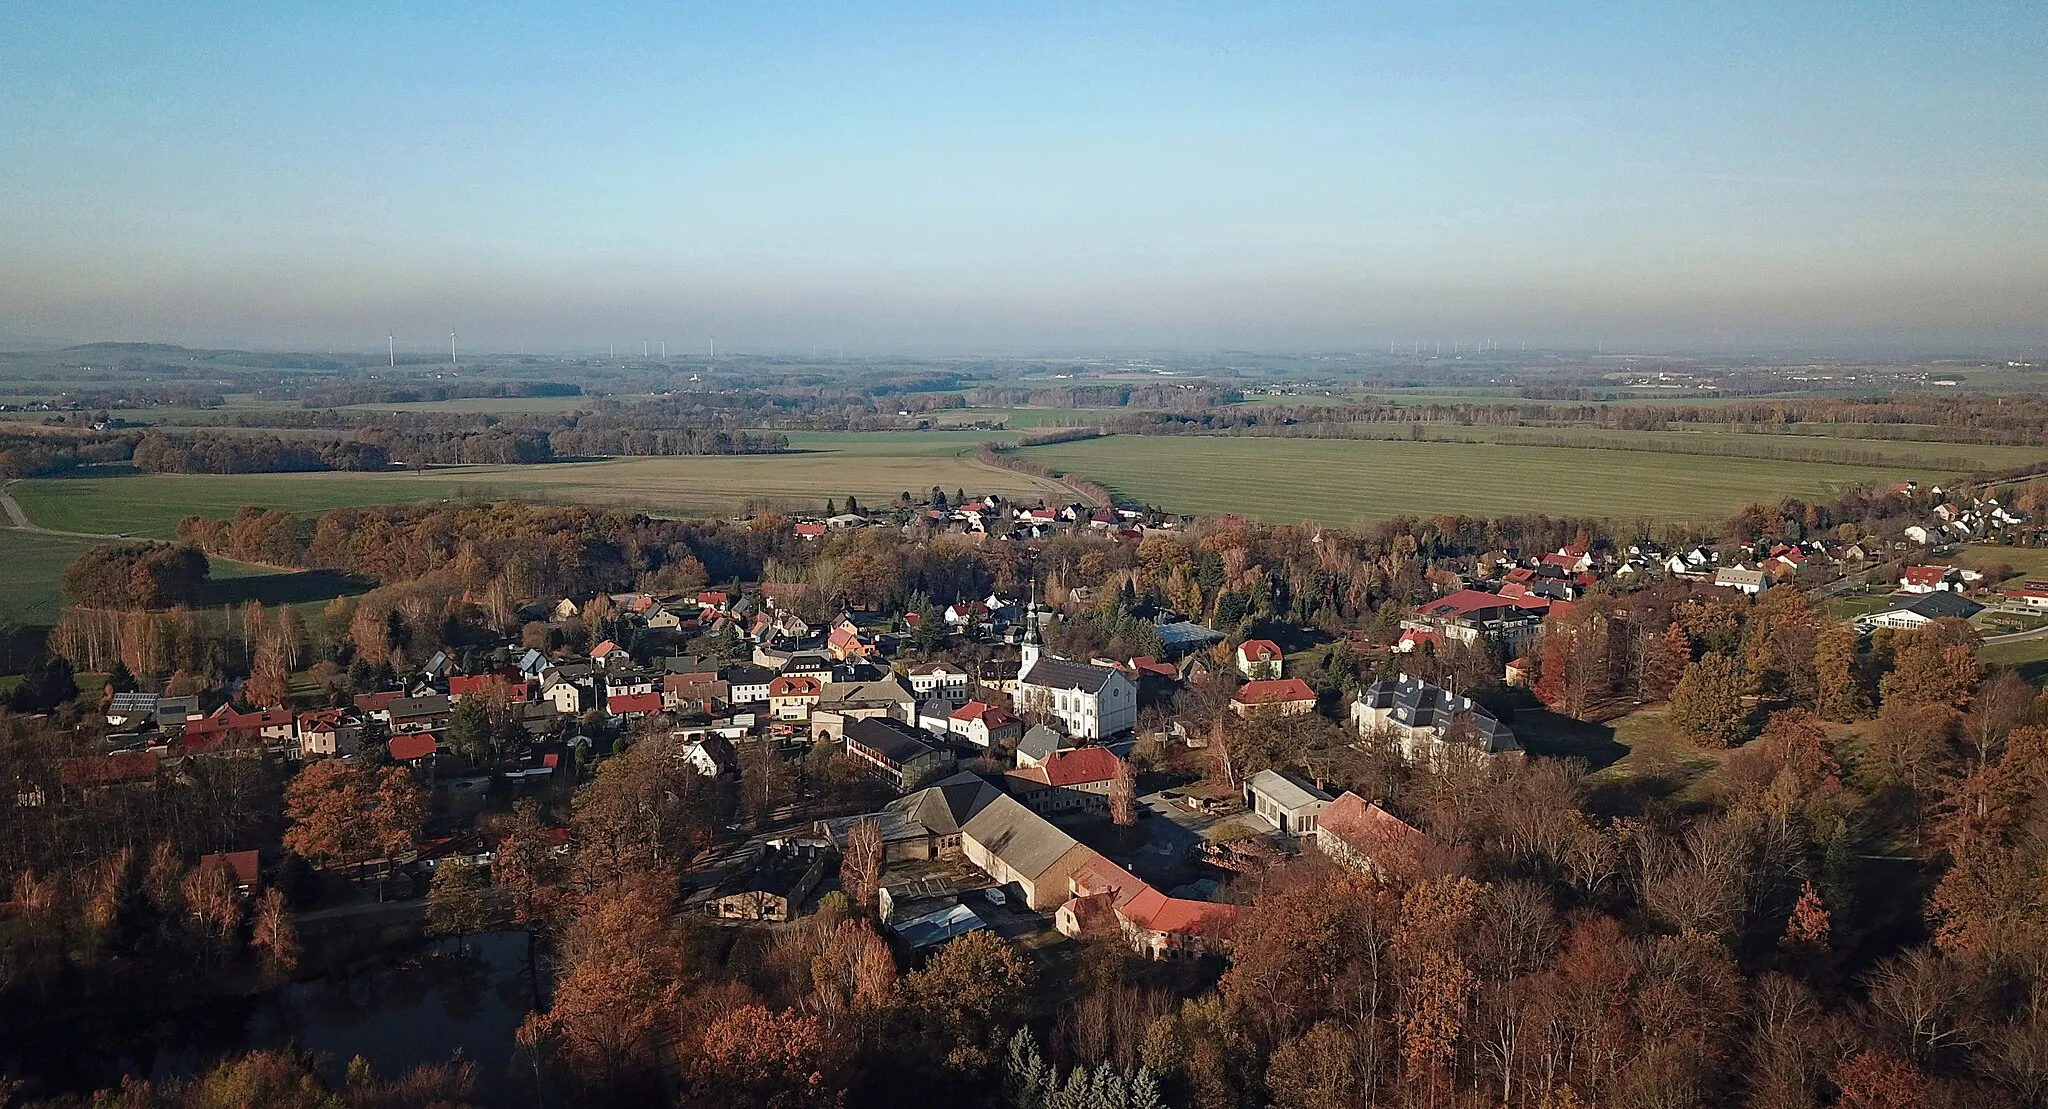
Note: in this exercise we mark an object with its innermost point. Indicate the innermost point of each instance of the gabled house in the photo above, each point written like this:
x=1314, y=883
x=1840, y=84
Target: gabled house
x=792, y=696
x=939, y=679
x=633, y=706
x=1260, y=659
x=984, y=725
x=896, y=751
x=609, y=653
x=1066, y=781
x=1363, y=836
x=1283, y=696
x=328, y=733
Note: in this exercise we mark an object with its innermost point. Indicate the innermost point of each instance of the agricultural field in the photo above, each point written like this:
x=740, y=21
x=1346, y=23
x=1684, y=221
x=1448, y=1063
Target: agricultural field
x=1337, y=481
x=2025, y=562
x=35, y=562
x=492, y=406
x=872, y=466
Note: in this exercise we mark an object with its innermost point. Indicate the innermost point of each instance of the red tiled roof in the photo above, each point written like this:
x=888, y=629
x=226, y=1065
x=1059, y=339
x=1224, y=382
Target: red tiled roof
x=1080, y=766
x=1276, y=691
x=633, y=702
x=241, y=864
x=989, y=715
x=795, y=685
x=1259, y=650
x=1463, y=603
x=1924, y=575
x=603, y=649
x=811, y=531
x=377, y=702
x=1366, y=828
x=106, y=770
x=415, y=745
x=1177, y=916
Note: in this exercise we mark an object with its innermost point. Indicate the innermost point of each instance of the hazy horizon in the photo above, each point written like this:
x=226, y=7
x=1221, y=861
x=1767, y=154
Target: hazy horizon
x=893, y=180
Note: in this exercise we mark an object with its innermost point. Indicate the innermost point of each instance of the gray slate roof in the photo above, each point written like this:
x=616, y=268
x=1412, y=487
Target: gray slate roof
x=895, y=740
x=1060, y=673
x=1941, y=604
x=1040, y=742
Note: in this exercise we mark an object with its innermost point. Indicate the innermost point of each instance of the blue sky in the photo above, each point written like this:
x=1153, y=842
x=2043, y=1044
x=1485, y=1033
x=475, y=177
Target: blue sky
x=1025, y=177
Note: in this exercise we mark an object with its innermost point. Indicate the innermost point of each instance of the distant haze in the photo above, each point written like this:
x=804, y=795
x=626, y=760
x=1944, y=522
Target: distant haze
x=1001, y=177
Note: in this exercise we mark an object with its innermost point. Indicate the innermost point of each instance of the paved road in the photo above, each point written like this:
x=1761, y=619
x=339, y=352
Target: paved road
x=2016, y=637
x=18, y=519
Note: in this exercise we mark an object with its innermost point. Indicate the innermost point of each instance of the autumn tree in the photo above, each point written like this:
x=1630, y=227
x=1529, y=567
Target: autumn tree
x=1932, y=666
x=345, y=813
x=1838, y=693
x=212, y=905
x=757, y=1058
x=458, y=900
x=273, y=933
x=1123, y=794
x=619, y=981
x=860, y=866
x=968, y=995
x=1707, y=702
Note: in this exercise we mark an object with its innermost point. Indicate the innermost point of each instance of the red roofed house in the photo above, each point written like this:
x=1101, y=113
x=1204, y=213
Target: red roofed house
x=811, y=530
x=2031, y=597
x=633, y=706
x=984, y=725
x=845, y=643
x=412, y=747
x=328, y=732
x=122, y=768
x=1286, y=696
x=712, y=598
x=242, y=867
x=1066, y=781
x=1930, y=579
x=608, y=652
x=1363, y=836
x=1161, y=927
x=1260, y=659
x=1415, y=639
x=793, y=696
x=509, y=680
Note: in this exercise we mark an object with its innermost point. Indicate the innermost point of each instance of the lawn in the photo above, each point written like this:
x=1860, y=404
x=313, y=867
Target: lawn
x=28, y=590
x=2026, y=562
x=1337, y=481
x=874, y=466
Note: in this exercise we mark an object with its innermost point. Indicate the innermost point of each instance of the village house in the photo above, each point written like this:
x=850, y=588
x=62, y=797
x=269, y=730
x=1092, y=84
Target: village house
x=568, y=697
x=792, y=696
x=1930, y=579
x=1285, y=801
x=1260, y=660
x=1283, y=697
x=984, y=725
x=632, y=706
x=1750, y=582
x=410, y=715
x=747, y=683
x=328, y=733
x=1039, y=744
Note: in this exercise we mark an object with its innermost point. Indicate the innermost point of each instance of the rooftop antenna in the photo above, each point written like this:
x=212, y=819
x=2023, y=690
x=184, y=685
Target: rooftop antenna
x=391, y=348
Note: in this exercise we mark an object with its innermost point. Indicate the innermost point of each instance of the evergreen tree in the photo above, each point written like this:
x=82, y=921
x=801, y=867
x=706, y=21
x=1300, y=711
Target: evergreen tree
x=1025, y=1074
x=45, y=683
x=1145, y=1091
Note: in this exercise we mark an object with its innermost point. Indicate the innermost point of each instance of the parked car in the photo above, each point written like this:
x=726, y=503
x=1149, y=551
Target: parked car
x=995, y=895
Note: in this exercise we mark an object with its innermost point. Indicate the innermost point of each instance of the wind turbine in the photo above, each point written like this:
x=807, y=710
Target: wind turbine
x=451, y=348
x=391, y=348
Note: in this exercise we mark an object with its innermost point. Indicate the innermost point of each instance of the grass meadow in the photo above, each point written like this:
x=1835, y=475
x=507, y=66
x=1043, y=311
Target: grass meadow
x=1337, y=481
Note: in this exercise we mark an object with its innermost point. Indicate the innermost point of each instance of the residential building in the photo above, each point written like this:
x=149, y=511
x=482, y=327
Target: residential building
x=1260, y=660
x=1472, y=615
x=747, y=683
x=1930, y=579
x=1285, y=801
x=1281, y=696
x=328, y=733
x=792, y=696
x=1751, y=582
x=771, y=886
x=984, y=725
x=940, y=679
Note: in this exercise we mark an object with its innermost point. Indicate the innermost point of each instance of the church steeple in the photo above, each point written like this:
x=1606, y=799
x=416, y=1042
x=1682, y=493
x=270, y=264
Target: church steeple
x=1032, y=644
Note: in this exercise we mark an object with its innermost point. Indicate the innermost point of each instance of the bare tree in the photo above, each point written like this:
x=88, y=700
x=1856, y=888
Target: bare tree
x=1123, y=794
x=860, y=870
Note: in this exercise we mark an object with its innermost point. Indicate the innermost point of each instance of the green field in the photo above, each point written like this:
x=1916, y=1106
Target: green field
x=1337, y=481
x=28, y=590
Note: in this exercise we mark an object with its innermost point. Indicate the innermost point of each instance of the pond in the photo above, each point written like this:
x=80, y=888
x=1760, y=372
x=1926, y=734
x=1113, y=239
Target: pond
x=420, y=1007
